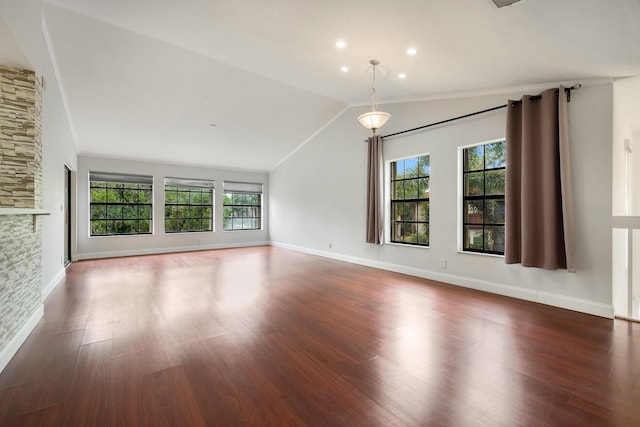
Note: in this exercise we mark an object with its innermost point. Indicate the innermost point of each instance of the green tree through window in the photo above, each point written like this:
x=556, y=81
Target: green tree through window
x=242, y=207
x=483, y=198
x=120, y=204
x=188, y=205
x=410, y=201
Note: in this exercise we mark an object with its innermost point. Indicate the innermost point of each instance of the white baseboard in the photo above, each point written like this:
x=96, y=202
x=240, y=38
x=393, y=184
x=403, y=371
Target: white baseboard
x=19, y=338
x=154, y=251
x=52, y=284
x=556, y=300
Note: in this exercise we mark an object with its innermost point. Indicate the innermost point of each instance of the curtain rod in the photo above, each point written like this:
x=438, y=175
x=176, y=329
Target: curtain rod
x=567, y=89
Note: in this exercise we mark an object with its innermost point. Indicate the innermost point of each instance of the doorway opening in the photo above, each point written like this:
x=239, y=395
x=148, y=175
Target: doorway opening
x=67, y=216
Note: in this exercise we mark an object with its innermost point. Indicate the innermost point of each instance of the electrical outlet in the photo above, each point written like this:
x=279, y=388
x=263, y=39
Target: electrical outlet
x=443, y=263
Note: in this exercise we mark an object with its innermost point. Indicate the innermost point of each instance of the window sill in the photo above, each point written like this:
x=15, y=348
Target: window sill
x=480, y=253
x=188, y=232
x=403, y=245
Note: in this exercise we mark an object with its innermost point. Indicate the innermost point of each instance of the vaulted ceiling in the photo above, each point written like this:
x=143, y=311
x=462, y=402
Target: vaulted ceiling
x=148, y=79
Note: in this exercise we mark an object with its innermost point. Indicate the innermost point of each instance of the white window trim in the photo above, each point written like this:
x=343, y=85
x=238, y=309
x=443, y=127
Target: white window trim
x=460, y=201
x=153, y=205
x=387, y=203
x=189, y=182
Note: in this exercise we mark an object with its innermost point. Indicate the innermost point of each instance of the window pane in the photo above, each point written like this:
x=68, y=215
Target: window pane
x=170, y=197
x=98, y=195
x=412, y=211
x=474, y=158
x=423, y=234
x=398, y=190
x=494, y=211
x=396, y=232
x=183, y=197
x=402, y=210
x=206, y=198
x=474, y=184
x=494, y=239
x=113, y=196
x=98, y=211
x=410, y=232
x=495, y=155
x=114, y=212
x=473, y=237
x=144, y=196
x=196, y=198
x=130, y=226
x=170, y=226
x=144, y=226
x=494, y=182
x=206, y=213
x=423, y=188
x=423, y=211
x=397, y=169
x=129, y=212
x=423, y=165
x=98, y=228
x=473, y=211
x=411, y=189
x=411, y=167
x=127, y=196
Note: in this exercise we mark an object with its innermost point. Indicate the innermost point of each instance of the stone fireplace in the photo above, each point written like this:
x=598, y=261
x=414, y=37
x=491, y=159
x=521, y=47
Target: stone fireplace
x=21, y=304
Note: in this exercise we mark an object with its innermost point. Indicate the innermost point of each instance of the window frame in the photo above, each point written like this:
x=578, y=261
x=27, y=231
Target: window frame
x=236, y=188
x=201, y=185
x=462, y=199
x=125, y=179
x=389, y=201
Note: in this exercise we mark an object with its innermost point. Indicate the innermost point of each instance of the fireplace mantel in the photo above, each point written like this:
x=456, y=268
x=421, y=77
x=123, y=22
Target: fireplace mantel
x=24, y=211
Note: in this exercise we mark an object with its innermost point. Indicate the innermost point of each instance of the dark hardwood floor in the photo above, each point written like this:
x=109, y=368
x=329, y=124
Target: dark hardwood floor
x=266, y=336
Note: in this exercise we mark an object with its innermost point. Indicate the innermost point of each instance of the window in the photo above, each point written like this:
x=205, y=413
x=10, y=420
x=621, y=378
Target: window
x=242, y=206
x=120, y=204
x=483, y=198
x=188, y=205
x=409, y=191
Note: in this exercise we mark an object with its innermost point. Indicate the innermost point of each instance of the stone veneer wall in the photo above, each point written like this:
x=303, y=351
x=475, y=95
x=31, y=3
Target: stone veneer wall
x=20, y=273
x=20, y=139
x=20, y=187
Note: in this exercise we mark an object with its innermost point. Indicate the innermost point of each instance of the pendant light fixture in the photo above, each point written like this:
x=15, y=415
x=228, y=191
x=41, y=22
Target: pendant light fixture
x=374, y=119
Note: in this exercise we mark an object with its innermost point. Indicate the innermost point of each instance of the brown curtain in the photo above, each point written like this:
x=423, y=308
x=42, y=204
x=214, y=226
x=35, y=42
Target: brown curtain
x=374, y=190
x=539, y=210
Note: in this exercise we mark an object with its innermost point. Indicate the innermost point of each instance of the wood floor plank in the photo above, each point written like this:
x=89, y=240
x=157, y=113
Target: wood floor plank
x=267, y=336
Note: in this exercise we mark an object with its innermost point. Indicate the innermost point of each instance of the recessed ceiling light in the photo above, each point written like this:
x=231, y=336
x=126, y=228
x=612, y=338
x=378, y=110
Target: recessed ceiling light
x=344, y=69
x=402, y=76
x=340, y=44
x=412, y=51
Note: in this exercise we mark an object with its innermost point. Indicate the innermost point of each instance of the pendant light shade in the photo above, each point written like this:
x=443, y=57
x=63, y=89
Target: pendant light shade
x=374, y=119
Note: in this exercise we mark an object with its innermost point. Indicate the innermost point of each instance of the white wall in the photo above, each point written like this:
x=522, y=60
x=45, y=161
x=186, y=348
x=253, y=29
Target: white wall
x=318, y=198
x=626, y=126
x=23, y=18
x=159, y=242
